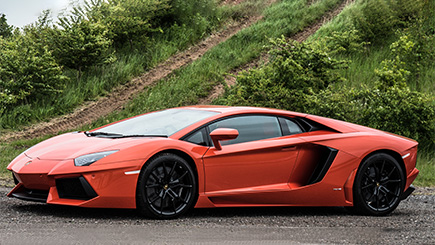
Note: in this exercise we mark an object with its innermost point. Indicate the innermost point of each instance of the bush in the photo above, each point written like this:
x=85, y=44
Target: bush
x=378, y=19
x=397, y=110
x=295, y=70
x=28, y=71
x=127, y=21
x=82, y=45
x=343, y=42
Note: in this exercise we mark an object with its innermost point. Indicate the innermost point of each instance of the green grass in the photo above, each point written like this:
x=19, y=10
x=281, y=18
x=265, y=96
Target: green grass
x=362, y=65
x=426, y=165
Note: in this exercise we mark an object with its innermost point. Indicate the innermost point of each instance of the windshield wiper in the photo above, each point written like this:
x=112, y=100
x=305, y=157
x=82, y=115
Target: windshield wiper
x=141, y=135
x=114, y=135
x=110, y=135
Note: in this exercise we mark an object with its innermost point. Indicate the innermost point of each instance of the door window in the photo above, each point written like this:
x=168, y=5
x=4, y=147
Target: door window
x=252, y=127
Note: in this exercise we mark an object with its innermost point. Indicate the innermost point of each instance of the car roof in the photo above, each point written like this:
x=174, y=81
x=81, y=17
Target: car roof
x=244, y=110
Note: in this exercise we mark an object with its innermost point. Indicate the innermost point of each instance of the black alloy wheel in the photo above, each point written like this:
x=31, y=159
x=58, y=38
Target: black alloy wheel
x=166, y=188
x=378, y=185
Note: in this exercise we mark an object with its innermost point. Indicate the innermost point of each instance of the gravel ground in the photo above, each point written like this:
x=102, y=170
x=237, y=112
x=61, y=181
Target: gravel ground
x=34, y=223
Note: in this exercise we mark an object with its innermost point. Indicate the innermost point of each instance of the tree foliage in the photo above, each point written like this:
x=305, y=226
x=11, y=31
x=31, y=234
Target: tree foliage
x=377, y=19
x=127, y=21
x=28, y=71
x=5, y=28
x=295, y=69
x=82, y=45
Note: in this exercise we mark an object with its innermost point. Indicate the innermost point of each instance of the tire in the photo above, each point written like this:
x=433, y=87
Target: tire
x=378, y=185
x=166, y=187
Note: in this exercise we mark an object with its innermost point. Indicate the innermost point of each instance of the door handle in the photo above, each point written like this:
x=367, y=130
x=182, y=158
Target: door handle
x=289, y=148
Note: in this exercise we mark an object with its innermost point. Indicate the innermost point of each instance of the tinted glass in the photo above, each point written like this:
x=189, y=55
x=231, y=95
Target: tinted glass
x=293, y=128
x=165, y=122
x=250, y=128
x=197, y=138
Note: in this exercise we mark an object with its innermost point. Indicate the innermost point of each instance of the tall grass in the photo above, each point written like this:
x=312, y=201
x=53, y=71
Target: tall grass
x=426, y=165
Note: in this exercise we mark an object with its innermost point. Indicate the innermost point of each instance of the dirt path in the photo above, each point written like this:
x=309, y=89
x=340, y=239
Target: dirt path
x=301, y=36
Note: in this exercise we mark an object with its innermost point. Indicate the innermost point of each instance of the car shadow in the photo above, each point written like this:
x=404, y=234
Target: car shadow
x=121, y=214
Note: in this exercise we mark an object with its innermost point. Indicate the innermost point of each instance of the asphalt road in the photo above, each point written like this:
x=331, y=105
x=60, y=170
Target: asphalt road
x=34, y=223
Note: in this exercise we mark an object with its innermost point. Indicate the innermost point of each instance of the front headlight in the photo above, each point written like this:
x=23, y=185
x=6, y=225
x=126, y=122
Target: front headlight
x=87, y=160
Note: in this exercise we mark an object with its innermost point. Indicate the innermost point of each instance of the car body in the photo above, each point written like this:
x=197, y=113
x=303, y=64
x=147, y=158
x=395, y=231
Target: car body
x=163, y=163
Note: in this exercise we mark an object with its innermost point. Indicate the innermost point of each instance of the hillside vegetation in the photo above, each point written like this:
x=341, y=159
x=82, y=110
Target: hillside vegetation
x=371, y=65
x=47, y=69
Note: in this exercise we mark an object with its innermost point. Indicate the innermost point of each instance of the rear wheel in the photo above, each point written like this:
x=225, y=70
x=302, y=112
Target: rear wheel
x=378, y=185
x=166, y=187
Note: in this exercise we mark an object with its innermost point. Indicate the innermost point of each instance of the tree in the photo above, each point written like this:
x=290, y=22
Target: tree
x=5, y=29
x=81, y=45
x=129, y=20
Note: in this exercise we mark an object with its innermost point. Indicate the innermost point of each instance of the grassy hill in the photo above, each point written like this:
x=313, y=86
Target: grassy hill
x=376, y=46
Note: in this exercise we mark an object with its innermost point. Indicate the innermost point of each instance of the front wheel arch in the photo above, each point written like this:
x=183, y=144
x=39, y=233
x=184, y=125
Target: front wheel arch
x=179, y=153
x=165, y=179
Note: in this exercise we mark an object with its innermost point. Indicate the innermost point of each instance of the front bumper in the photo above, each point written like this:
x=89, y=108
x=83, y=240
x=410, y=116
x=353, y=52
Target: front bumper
x=108, y=186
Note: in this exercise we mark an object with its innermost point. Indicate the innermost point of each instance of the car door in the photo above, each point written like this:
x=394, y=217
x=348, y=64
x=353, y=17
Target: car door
x=259, y=160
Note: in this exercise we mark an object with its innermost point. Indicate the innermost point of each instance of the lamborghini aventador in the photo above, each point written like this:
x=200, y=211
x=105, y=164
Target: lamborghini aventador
x=164, y=163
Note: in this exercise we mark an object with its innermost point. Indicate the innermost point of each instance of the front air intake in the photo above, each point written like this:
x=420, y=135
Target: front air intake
x=75, y=188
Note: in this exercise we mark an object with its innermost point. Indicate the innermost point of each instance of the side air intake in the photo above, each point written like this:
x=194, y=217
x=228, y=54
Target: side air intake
x=327, y=157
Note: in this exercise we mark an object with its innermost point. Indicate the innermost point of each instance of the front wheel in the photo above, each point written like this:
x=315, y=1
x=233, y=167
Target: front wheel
x=378, y=185
x=166, y=187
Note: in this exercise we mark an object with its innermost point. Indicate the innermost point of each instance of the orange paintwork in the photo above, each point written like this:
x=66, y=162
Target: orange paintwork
x=271, y=172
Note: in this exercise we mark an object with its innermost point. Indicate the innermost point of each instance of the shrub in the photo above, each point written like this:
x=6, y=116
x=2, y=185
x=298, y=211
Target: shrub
x=393, y=109
x=343, y=42
x=28, y=71
x=378, y=19
x=295, y=69
x=127, y=21
x=82, y=45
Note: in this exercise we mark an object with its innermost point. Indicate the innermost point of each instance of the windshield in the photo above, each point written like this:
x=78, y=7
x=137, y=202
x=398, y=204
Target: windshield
x=161, y=123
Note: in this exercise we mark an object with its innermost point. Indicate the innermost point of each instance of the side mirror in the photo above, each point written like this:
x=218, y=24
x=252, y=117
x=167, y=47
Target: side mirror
x=221, y=134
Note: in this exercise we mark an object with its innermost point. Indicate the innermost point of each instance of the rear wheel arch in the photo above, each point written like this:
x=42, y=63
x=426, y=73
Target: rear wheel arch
x=374, y=193
x=392, y=153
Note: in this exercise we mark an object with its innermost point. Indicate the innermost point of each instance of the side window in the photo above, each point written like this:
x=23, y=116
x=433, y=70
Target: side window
x=289, y=127
x=197, y=138
x=250, y=128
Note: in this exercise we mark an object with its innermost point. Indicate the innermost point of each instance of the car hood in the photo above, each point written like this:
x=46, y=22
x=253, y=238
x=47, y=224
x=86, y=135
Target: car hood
x=71, y=145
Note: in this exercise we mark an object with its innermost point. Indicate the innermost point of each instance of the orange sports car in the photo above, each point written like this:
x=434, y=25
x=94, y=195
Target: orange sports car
x=164, y=163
